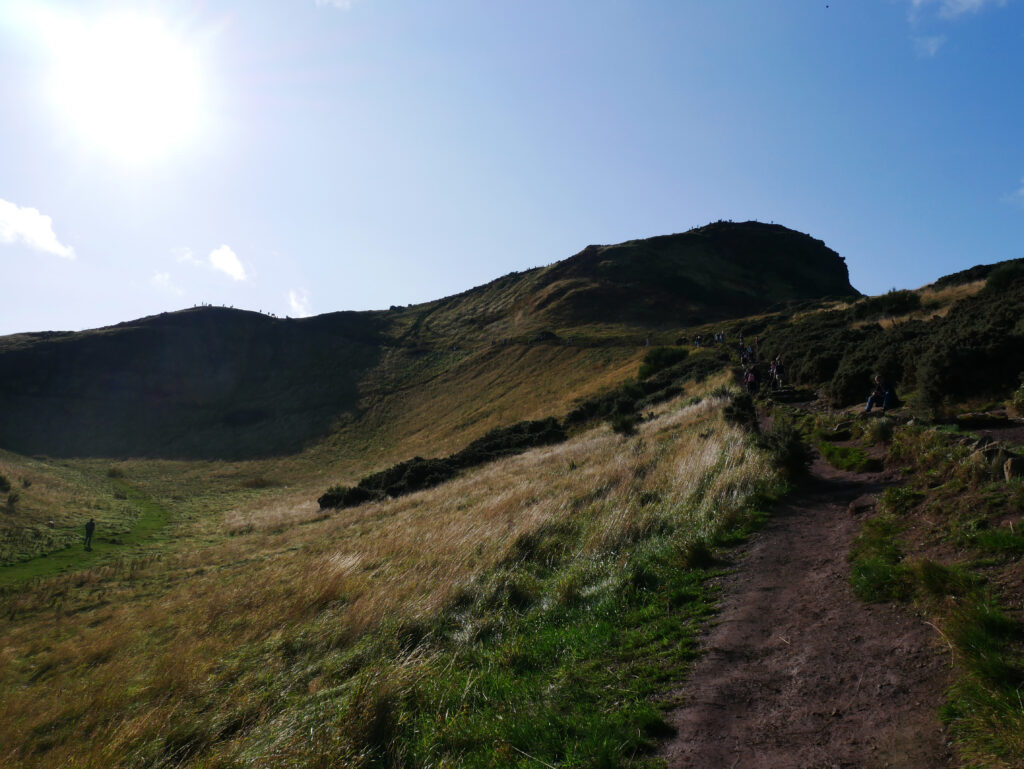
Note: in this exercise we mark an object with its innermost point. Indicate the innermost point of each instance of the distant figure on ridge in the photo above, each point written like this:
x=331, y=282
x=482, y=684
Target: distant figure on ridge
x=90, y=527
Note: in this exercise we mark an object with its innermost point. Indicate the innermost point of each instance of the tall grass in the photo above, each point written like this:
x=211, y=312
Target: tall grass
x=377, y=636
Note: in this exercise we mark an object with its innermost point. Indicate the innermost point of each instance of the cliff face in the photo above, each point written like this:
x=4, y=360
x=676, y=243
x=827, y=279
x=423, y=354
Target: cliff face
x=207, y=382
x=218, y=383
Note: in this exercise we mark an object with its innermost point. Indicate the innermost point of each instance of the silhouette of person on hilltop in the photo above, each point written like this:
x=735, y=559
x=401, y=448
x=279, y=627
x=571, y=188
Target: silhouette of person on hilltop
x=90, y=527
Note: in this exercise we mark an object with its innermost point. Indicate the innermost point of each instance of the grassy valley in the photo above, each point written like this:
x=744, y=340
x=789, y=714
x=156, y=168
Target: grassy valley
x=538, y=609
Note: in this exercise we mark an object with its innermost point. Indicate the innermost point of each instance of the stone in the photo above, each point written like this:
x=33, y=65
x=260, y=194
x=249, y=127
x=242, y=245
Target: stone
x=1013, y=468
x=862, y=504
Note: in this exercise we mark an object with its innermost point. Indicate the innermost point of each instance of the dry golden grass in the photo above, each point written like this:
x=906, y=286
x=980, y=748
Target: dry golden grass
x=120, y=653
x=934, y=303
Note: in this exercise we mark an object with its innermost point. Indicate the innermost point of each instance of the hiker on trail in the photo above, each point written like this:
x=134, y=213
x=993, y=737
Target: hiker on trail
x=882, y=395
x=750, y=380
x=778, y=372
x=90, y=527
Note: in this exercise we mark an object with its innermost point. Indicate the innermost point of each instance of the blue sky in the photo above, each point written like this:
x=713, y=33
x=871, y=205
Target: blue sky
x=302, y=157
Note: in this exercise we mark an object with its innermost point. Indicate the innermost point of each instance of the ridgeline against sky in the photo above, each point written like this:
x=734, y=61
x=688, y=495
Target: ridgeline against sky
x=217, y=382
x=325, y=155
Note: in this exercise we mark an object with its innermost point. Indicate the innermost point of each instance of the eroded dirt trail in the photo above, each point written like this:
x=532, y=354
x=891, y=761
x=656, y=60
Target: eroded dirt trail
x=799, y=674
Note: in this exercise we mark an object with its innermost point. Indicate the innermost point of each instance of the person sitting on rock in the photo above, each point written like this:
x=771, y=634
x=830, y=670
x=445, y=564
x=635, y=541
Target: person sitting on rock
x=882, y=396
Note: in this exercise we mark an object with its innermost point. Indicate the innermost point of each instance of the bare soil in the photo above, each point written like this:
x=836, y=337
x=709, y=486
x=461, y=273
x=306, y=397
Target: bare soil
x=797, y=673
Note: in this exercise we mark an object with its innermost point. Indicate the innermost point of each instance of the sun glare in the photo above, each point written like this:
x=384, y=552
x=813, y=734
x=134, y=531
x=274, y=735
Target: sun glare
x=127, y=86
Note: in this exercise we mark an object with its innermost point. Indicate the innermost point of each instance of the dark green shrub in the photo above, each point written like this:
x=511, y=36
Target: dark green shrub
x=624, y=424
x=5, y=484
x=660, y=358
x=1005, y=276
x=789, y=452
x=887, y=305
x=418, y=473
x=741, y=411
x=697, y=555
x=1017, y=401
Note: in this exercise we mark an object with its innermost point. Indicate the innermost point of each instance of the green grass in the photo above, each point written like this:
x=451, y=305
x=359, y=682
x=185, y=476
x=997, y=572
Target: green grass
x=145, y=531
x=999, y=541
x=578, y=683
x=852, y=458
x=983, y=707
x=878, y=572
x=955, y=504
x=546, y=660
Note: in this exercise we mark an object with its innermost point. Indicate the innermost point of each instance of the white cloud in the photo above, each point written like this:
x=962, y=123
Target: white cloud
x=32, y=228
x=927, y=47
x=299, y=302
x=344, y=4
x=225, y=260
x=1018, y=196
x=953, y=8
x=950, y=9
x=162, y=281
x=185, y=256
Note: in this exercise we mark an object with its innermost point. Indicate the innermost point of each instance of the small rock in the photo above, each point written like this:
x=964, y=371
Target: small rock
x=1013, y=468
x=862, y=504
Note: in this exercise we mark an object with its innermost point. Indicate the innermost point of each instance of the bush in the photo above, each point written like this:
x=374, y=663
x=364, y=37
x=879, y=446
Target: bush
x=418, y=473
x=789, y=452
x=5, y=484
x=660, y=358
x=879, y=431
x=624, y=424
x=1005, y=276
x=887, y=305
x=975, y=350
x=1018, y=398
x=741, y=411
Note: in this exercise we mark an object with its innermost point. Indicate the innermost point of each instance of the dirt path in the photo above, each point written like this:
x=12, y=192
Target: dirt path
x=799, y=674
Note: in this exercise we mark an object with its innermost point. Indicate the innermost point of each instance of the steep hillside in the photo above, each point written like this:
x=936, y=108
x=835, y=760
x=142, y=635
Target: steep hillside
x=216, y=383
x=204, y=382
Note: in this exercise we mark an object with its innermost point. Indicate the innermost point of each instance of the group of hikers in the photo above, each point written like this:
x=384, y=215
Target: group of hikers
x=883, y=394
x=752, y=379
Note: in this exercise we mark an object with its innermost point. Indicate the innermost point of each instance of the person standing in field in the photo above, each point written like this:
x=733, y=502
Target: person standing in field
x=90, y=527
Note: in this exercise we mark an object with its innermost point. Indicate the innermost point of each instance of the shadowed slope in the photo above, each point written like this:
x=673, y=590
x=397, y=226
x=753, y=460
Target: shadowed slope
x=206, y=382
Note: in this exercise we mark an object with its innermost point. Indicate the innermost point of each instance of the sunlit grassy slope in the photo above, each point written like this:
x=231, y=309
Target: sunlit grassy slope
x=48, y=503
x=288, y=638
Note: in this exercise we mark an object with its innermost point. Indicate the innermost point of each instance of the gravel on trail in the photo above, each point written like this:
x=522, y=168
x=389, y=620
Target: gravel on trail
x=796, y=672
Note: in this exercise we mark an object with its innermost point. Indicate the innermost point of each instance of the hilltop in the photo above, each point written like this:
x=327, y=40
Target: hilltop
x=217, y=383
x=478, y=590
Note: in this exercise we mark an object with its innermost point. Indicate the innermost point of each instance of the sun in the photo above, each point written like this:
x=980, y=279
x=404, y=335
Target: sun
x=127, y=86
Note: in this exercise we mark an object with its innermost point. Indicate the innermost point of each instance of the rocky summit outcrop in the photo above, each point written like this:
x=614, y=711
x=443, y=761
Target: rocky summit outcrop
x=722, y=270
